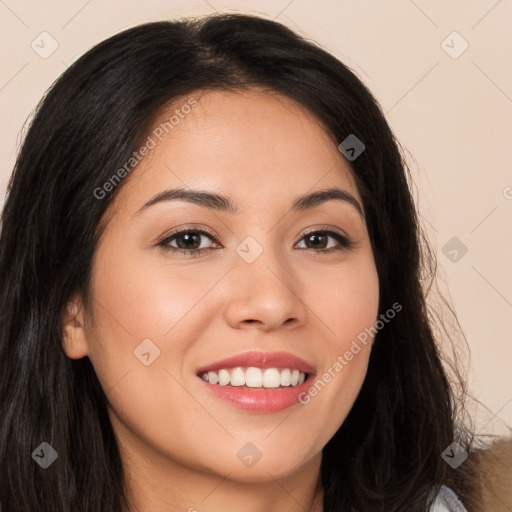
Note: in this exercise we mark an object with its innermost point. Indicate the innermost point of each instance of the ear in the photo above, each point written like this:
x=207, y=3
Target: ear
x=73, y=329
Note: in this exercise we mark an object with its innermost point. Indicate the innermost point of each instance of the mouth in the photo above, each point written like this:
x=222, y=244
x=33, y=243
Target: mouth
x=259, y=382
x=253, y=377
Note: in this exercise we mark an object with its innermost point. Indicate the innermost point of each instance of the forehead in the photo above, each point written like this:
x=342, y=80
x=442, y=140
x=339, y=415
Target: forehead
x=258, y=147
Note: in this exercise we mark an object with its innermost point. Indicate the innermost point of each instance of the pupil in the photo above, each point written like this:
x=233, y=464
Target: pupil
x=190, y=240
x=315, y=239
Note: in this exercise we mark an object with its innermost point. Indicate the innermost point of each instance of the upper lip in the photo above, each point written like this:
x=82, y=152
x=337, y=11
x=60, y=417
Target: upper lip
x=261, y=360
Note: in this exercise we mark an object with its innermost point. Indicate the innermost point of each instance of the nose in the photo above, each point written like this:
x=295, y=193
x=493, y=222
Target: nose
x=265, y=295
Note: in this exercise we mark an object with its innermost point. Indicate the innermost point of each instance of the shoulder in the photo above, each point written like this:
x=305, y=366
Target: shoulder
x=447, y=501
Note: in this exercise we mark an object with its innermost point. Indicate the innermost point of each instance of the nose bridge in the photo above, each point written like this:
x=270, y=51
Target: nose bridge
x=263, y=289
x=261, y=262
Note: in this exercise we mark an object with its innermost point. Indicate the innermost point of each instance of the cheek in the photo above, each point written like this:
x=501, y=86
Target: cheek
x=147, y=309
x=147, y=313
x=138, y=300
x=347, y=302
x=348, y=305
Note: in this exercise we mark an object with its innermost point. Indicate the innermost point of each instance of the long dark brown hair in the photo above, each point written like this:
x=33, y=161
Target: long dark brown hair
x=386, y=456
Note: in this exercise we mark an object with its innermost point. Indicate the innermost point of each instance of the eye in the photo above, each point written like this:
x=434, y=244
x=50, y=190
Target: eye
x=194, y=242
x=322, y=241
x=187, y=241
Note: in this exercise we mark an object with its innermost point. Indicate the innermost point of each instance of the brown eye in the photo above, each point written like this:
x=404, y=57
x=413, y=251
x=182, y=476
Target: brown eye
x=322, y=241
x=187, y=241
x=317, y=241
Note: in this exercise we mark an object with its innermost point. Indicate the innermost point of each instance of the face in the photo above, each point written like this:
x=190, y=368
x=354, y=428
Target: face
x=185, y=282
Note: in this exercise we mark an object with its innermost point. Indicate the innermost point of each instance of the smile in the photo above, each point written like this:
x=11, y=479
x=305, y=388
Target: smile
x=253, y=377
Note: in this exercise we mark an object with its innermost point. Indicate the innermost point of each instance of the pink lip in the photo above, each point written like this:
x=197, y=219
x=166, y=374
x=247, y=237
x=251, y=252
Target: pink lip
x=261, y=399
x=260, y=360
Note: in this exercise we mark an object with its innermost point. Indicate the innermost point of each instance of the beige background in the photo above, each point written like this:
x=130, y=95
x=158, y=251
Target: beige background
x=452, y=113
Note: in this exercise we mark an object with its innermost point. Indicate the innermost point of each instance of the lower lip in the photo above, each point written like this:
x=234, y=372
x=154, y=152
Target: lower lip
x=260, y=399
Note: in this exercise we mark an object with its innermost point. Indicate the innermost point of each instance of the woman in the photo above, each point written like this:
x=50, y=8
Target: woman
x=210, y=270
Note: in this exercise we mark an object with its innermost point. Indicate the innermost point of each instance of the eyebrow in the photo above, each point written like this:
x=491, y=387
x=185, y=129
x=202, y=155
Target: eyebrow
x=224, y=203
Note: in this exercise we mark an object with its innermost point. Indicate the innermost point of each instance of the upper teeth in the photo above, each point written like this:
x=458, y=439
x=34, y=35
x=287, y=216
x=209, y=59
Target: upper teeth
x=255, y=377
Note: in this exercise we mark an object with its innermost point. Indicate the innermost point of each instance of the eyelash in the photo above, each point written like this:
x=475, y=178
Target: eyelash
x=344, y=242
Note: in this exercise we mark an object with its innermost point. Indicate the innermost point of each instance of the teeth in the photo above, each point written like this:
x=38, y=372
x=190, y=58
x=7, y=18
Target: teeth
x=286, y=377
x=271, y=378
x=254, y=377
x=237, y=377
x=224, y=377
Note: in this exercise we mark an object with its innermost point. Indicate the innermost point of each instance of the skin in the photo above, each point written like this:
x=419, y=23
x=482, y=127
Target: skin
x=179, y=443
